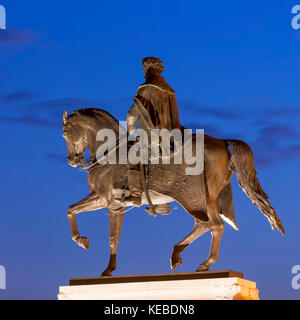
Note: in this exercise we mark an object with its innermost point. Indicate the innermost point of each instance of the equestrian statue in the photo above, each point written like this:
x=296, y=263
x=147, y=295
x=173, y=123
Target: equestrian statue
x=207, y=196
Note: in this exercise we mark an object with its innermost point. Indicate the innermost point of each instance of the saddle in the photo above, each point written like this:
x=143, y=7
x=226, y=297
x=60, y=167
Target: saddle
x=171, y=180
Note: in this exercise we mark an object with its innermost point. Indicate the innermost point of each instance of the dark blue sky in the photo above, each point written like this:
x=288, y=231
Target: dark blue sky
x=235, y=67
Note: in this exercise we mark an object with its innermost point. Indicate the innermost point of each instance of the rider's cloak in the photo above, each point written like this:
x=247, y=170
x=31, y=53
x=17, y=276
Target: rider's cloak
x=158, y=99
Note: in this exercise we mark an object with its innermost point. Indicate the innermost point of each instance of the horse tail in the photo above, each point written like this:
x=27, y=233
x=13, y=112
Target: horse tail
x=242, y=162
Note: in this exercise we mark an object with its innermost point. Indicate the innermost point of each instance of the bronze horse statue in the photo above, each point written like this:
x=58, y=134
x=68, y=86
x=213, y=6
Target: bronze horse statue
x=80, y=132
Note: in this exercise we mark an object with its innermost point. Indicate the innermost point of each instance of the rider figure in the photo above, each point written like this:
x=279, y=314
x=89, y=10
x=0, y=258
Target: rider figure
x=158, y=99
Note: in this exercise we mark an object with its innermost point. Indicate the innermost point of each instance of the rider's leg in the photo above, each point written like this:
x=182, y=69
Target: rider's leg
x=134, y=185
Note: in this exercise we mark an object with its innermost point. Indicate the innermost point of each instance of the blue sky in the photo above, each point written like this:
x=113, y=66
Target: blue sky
x=235, y=68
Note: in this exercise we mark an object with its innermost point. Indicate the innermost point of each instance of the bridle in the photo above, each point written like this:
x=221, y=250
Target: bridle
x=86, y=164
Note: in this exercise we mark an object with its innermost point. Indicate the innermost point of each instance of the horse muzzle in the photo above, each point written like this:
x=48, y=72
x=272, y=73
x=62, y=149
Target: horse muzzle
x=75, y=162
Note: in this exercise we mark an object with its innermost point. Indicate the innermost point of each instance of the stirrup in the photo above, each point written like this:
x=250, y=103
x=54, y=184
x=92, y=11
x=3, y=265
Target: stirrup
x=134, y=200
x=163, y=209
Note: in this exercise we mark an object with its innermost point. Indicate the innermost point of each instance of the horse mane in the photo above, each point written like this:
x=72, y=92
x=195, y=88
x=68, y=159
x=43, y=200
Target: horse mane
x=94, y=115
x=94, y=112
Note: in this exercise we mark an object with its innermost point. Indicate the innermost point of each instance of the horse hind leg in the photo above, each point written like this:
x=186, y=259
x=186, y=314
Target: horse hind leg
x=199, y=230
x=116, y=218
x=216, y=226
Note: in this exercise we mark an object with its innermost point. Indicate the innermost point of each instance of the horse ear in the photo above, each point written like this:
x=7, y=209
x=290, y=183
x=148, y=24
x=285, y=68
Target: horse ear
x=65, y=118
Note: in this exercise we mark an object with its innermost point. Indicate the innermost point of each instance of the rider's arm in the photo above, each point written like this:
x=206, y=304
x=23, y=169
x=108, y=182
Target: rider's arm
x=132, y=119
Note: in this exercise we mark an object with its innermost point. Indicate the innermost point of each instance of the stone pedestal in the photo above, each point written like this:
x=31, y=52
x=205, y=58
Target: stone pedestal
x=213, y=285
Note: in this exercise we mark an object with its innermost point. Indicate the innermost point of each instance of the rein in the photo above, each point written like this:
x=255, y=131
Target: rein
x=86, y=165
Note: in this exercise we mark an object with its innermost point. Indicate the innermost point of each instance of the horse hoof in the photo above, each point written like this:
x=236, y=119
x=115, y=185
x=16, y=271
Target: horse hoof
x=83, y=242
x=202, y=268
x=106, y=274
x=176, y=263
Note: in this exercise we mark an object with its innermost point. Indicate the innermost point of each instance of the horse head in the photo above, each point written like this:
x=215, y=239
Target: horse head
x=76, y=140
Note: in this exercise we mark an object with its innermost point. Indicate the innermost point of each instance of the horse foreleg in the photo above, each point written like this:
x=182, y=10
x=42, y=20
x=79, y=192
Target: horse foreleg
x=198, y=231
x=90, y=203
x=116, y=218
x=216, y=226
